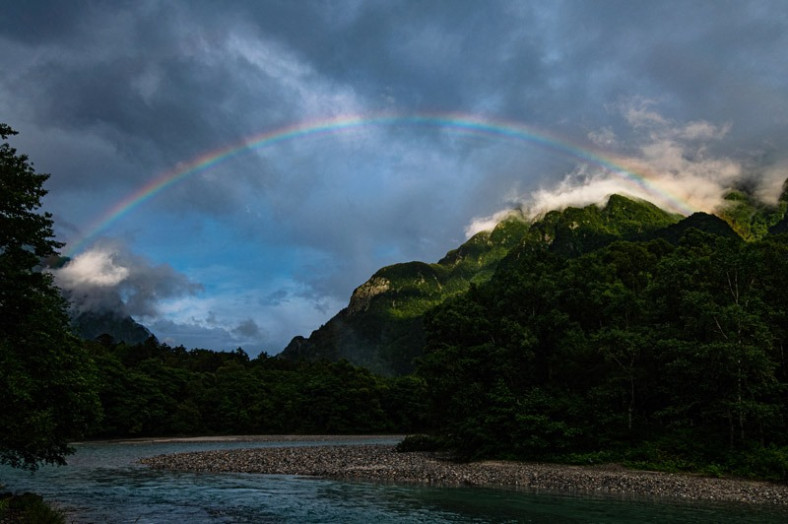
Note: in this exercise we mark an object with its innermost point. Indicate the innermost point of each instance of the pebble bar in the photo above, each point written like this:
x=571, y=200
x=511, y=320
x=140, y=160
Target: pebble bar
x=383, y=463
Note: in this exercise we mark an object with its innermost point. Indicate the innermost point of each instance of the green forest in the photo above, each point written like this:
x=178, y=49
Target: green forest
x=152, y=389
x=658, y=354
x=613, y=333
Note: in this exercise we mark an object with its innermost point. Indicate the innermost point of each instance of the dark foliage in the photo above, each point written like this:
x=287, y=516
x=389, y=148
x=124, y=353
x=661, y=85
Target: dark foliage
x=383, y=326
x=28, y=508
x=47, y=389
x=153, y=389
x=648, y=351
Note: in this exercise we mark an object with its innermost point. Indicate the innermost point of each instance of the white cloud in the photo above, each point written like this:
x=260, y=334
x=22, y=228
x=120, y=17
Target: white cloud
x=488, y=223
x=578, y=189
x=772, y=183
x=669, y=164
x=97, y=268
x=604, y=138
x=639, y=113
x=222, y=321
x=108, y=277
x=703, y=131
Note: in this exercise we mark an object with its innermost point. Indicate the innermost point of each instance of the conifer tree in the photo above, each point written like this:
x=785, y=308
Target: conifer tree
x=47, y=389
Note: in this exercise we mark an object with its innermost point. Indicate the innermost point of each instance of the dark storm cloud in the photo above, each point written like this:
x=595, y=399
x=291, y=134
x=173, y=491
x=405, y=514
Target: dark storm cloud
x=137, y=87
x=110, y=95
x=38, y=22
x=700, y=59
x=160, y=80
x=248, y=329
x=155, y=86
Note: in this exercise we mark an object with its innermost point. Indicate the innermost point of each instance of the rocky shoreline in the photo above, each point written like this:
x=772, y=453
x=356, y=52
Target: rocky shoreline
x=382, y=463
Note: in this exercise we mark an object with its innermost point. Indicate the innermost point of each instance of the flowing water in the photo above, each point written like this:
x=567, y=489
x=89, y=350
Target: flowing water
x=104, y=484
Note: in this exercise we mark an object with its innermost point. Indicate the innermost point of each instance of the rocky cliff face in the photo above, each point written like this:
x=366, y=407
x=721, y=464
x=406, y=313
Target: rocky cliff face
x=363, y=295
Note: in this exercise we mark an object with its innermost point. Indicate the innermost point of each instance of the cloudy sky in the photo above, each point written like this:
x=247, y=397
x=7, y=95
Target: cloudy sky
x=308, y=143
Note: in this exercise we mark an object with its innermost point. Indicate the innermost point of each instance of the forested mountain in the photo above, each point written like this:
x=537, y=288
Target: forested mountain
x=750, y=217
x=100, y=320
x=667, y=348
x=616, y=332
x=382, y=327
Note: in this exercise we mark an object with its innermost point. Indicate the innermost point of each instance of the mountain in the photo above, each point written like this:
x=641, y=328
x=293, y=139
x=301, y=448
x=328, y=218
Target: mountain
x=748, y=216
x=700, y=221
x=574, y=231
x=382, y=326
x=669, y=344
x=92, y=324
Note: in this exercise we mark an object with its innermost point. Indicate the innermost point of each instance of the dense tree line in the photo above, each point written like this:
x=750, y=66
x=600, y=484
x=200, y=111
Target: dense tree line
x=648, y=351
x=153, y=389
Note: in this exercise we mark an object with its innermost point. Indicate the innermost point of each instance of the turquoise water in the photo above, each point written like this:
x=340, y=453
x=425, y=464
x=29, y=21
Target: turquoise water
x=103, y=484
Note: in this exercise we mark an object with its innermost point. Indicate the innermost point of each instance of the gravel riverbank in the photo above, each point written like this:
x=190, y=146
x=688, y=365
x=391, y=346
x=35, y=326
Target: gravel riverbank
x=382, y=463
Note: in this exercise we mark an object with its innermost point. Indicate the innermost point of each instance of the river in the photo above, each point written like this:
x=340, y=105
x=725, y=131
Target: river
x=103, y=484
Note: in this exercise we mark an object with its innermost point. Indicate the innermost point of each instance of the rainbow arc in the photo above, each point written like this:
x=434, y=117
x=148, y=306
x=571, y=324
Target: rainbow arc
x=495, y=129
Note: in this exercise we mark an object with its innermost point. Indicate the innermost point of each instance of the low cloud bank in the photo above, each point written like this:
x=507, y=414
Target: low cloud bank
x=677, y=166
x=109, y=278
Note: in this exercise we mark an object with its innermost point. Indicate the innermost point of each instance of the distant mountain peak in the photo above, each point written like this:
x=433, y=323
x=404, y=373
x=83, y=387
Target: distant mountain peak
x=90, y=325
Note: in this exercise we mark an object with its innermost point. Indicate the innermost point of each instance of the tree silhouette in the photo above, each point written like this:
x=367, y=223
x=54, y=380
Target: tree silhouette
x=47, y=389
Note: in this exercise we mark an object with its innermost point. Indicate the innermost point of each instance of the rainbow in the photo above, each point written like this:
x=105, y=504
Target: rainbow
x=474, y=125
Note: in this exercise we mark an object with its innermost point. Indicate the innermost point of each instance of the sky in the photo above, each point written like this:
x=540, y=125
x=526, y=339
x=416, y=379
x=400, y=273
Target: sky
x=229, y=172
